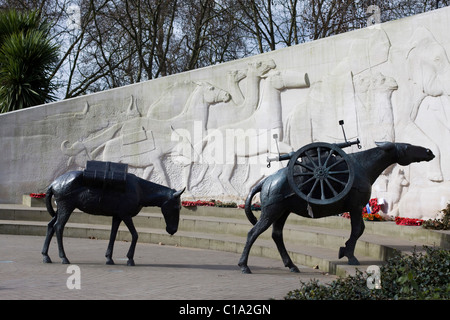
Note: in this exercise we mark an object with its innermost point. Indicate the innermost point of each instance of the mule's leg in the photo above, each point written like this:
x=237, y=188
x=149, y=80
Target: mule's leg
x=112, y=238
x=277, y=236
x=225, y=177
x=215, y=176
x=158, y=165
x=357, y=224
x=147, y=172
x=134, y=237
x=266, y=219
x=63, y=216
x=48, y=238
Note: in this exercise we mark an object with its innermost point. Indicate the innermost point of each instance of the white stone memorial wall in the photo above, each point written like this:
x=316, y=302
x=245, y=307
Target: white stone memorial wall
x=212, y=129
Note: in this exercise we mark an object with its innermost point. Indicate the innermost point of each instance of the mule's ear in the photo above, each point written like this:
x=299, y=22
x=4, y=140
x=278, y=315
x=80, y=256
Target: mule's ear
x=178, y=193
x=386, y=146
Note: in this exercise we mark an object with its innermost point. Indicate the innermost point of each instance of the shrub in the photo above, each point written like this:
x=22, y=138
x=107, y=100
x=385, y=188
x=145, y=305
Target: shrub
x=419, y=276
x=439, y=224
x=28, y=57
x=225, y=204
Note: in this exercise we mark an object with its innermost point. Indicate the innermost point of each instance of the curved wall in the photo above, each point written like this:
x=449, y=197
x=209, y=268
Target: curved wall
x=213, y=128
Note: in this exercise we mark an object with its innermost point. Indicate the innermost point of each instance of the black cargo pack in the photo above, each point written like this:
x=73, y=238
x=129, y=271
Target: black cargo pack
x=106, y=175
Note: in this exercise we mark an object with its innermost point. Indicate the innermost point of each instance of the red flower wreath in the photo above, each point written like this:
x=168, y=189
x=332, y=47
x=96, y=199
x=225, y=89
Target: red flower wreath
x=37, y=195
x=370, y=211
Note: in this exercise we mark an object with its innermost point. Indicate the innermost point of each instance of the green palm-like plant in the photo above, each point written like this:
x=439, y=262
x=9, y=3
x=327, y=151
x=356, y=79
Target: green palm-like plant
x=27, y=57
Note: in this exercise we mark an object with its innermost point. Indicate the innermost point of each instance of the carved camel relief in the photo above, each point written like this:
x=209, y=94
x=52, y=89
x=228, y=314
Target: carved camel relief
x=245, y=104
x=137, y=142
x=250, y=137
x=134, y=141
x=375, y=115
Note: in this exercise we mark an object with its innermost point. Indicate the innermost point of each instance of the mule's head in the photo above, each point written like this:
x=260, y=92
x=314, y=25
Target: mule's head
x=407, y=153
x=171, y=211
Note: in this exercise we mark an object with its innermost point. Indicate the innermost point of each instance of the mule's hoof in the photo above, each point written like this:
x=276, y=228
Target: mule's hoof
x=353, y=261
x=110, y=262
x=47, y=260
x=294, y=269
x=130, y=262
x=246, y=270
x=435, y=177
x=65, y=261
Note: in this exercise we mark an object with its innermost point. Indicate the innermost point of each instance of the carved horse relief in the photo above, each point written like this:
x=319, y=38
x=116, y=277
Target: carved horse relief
x=92, y=145
x=173, y=101
x=158, y=132
x=142, y=142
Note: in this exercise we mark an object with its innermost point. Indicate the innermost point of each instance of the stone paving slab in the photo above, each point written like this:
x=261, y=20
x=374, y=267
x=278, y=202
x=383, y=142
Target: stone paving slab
x=162, y=272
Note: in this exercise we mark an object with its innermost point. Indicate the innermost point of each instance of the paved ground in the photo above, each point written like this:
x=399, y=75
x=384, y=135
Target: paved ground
x=161, y=272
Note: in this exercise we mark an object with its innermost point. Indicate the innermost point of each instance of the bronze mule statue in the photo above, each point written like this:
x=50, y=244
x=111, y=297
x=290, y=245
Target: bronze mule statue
x=278, y=200
x=71, y=192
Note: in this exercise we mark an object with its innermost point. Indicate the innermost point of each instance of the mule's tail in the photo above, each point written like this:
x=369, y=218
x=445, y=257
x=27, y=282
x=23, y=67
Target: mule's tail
x=248, y=202
x=48, y=201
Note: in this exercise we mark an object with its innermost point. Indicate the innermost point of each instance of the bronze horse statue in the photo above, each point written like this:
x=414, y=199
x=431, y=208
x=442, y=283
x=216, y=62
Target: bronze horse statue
x=278, y=200
x=71, y=192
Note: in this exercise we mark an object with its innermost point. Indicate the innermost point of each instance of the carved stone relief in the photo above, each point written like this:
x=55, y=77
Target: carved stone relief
x=212, y=129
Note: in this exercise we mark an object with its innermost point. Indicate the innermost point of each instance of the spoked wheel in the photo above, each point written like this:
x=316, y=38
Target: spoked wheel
x=321, y=173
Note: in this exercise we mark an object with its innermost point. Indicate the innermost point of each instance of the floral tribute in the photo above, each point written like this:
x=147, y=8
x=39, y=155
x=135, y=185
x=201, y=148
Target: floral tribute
x=255, y=206
x=217, y=203
x=197, y=203
x=211, y=203
x=37, y=195
x=370, y=211
x=408, y=221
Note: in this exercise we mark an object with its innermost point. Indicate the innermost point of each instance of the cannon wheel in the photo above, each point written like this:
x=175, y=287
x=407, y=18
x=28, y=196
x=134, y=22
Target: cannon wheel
x=320, y=173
